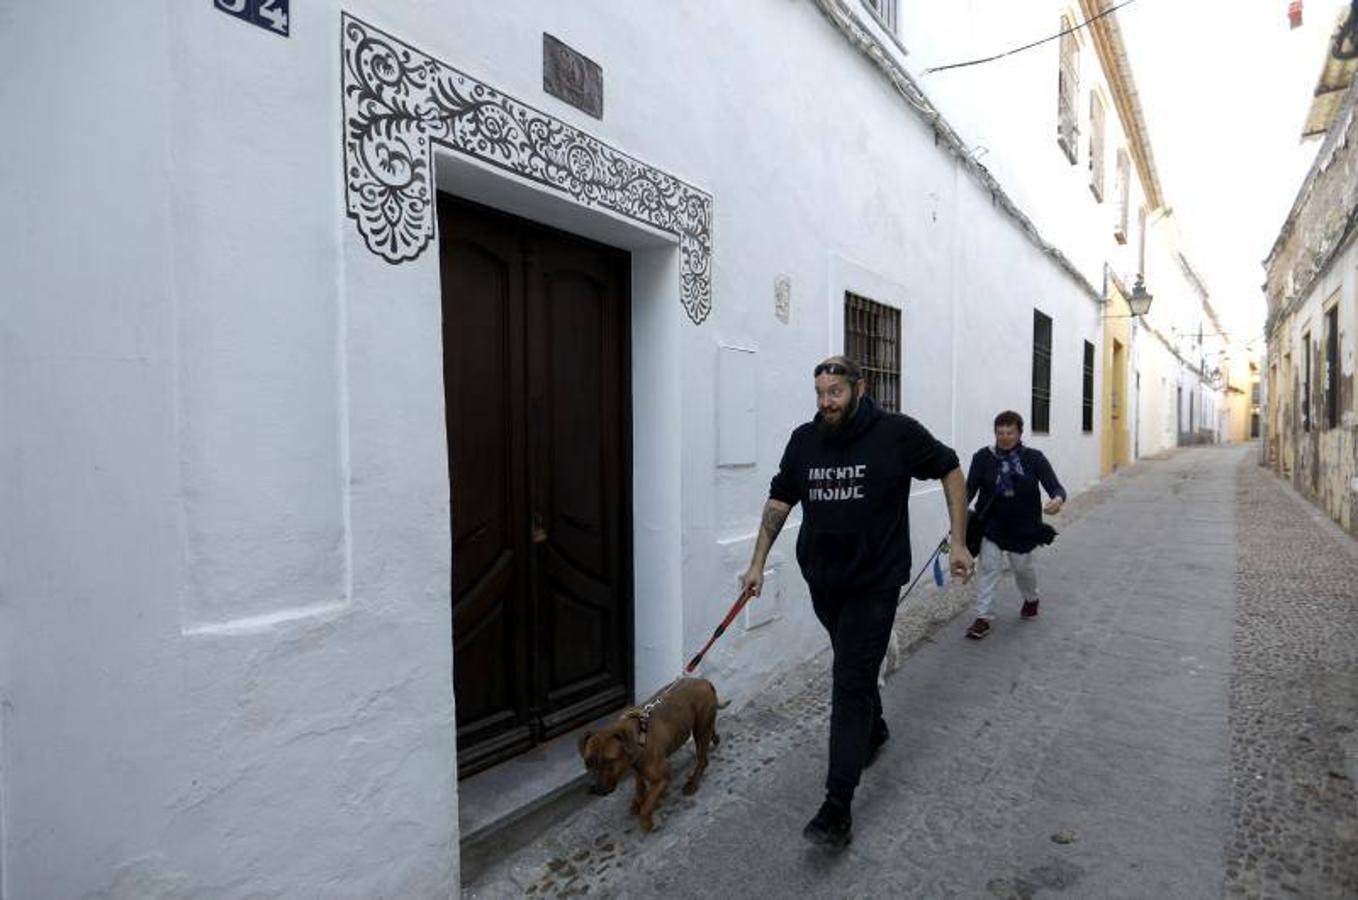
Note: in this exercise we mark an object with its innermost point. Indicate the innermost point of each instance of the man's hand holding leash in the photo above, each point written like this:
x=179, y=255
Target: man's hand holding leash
x=961, y=564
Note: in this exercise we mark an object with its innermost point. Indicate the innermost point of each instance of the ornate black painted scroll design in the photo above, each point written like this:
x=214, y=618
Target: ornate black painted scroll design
x=399, y=102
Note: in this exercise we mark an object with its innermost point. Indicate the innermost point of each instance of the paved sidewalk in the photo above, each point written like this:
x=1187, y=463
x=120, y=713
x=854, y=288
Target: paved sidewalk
x=1087, y=753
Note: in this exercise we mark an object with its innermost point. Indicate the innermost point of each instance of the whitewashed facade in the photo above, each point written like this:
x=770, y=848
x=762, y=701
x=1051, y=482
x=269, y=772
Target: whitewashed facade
x=1183, y=351
x=225, y=640
x=1008, y=111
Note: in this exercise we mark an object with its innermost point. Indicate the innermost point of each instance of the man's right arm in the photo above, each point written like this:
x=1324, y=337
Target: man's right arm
x=770, y=524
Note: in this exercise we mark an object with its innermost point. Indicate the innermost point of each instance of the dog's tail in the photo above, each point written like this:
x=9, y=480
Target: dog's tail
x=721, y=704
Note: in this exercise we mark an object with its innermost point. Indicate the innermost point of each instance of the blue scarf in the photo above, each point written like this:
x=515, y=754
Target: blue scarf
x=1010, y=468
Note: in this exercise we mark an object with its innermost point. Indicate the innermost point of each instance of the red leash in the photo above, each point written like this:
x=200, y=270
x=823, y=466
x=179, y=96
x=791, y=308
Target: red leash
x=744, y=598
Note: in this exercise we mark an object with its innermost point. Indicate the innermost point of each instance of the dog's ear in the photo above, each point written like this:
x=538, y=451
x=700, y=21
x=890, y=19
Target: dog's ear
x=584, y=740
x=630, y=745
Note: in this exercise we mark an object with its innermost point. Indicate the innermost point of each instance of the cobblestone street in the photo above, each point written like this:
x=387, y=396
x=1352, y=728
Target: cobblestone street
x=1294, y=699
x=1179, y=722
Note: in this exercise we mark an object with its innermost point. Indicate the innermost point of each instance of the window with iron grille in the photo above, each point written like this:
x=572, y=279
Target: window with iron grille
x=1332, y=368
x=1096, y=146
x=1087, y=396
x=872, y=338
x=1042, y=373
x=1306, y=382
x=1124, y=189
x=1067, y=90
x=885, y=11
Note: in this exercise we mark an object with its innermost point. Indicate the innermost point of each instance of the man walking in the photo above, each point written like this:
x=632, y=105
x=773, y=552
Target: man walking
x=1007, y=476
x=850, y=468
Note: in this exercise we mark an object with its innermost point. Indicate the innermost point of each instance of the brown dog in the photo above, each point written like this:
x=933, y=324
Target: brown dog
x=642, y=741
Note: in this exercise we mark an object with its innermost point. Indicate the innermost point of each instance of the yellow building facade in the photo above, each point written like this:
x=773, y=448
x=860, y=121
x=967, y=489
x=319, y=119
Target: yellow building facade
x=1116, y=429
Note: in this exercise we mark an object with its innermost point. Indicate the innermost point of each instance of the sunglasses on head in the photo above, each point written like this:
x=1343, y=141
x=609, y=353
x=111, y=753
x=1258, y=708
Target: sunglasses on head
x=833, y=368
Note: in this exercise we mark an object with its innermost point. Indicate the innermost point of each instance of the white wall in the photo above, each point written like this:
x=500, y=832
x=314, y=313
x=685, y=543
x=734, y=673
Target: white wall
x=828, y=190
x=1160, y=378
x=225, y=626
x=1170, y=358
x=1006, y=111
x=88, y=469
x=226, y=649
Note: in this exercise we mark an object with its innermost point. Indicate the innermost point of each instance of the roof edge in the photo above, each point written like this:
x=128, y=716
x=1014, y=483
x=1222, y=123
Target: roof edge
x=946, y=137
x=1112, y=52
x=1340, y=124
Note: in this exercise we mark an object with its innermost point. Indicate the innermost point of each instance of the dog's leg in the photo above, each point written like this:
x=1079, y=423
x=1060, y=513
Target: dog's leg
x=653, y=797
x=704, y=735
x=712, y=720
x=699, y=765
x=640, y=794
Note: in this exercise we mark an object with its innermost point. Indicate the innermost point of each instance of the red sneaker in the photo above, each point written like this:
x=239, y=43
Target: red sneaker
x=1029, y=610
x=979, y=629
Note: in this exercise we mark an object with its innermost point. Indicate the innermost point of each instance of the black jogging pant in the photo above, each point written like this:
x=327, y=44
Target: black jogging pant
x=859, y=623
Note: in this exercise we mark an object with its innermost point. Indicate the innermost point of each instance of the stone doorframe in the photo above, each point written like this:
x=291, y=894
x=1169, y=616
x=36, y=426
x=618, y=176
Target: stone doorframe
x=399, y=103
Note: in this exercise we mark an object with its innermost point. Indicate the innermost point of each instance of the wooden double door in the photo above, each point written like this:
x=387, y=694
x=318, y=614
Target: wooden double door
x=536, y=337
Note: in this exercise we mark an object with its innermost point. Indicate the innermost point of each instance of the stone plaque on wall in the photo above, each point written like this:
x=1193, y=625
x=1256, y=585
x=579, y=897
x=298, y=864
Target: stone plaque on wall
x=573, y=77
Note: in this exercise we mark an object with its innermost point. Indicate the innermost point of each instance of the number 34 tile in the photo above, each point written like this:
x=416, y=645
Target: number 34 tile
x=271, y=15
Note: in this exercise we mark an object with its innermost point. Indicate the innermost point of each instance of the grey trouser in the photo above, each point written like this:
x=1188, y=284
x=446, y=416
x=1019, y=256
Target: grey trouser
x=988, y=576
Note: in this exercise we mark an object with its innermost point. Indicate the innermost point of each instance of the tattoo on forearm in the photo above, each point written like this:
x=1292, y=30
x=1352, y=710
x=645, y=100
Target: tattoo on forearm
x=773, y=521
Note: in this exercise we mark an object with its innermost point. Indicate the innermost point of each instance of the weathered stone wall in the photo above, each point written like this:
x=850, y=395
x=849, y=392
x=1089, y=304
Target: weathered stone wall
x=1320, y=461
x=1312, y=269
x=1320, y=219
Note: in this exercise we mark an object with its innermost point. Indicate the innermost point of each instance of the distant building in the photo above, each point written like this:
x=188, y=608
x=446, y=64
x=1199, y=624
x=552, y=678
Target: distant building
x=1243, y=399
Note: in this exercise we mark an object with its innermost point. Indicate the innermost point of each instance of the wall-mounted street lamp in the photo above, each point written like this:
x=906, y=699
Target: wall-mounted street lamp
x=1139, y=302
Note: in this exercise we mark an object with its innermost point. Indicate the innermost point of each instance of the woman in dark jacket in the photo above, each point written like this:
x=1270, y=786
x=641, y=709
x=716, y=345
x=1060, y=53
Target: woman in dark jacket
x=1007, y=476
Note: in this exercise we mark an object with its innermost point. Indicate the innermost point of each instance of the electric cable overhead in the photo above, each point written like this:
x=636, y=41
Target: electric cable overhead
x=1073, y=28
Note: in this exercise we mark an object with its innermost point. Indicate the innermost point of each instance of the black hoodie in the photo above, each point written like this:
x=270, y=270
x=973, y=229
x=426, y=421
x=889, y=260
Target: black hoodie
x=854, y=488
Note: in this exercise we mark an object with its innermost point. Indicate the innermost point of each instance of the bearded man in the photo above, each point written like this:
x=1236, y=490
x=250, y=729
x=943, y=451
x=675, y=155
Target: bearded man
x=851, y=468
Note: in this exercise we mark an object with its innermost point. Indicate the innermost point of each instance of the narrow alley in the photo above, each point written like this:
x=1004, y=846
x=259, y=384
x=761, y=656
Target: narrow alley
x=393, y=394
x=1177, y=723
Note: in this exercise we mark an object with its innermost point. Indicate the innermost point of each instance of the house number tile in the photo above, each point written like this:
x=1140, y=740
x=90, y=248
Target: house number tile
x=271, y=15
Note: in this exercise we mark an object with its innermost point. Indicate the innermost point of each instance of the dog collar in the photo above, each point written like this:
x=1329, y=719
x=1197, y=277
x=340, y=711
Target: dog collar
x=643, y=717
x=643, y=714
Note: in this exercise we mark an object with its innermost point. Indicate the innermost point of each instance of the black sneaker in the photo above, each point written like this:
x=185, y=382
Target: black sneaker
x=1029, y=610
x=880, y=735
x=832, y=827
x=979, y=629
